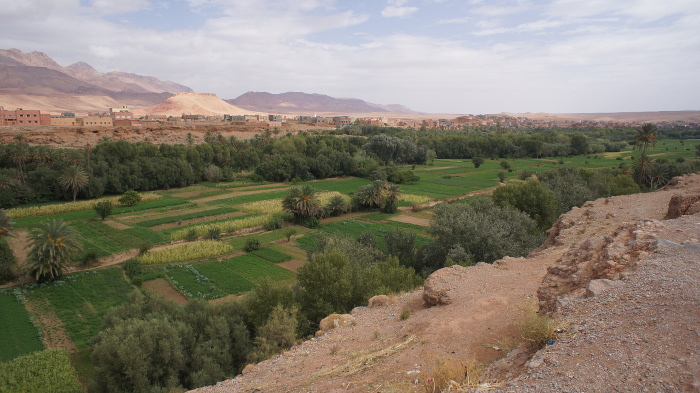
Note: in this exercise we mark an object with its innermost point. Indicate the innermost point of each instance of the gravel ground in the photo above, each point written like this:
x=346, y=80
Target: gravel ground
x=643, y=336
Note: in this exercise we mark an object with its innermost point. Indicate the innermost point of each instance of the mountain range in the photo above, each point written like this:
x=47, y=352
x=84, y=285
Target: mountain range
x=35, y=81
x=297, y=102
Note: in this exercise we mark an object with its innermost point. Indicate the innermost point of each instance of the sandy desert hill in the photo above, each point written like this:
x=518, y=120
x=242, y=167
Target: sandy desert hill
x=194, y=104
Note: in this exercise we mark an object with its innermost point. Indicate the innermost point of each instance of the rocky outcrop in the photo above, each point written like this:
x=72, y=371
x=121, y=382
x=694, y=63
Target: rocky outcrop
x=600, y=257
x=682, y=205
x=378, y=301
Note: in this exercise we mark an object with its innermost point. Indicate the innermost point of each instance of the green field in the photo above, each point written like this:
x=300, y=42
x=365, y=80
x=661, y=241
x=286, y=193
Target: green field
x=81, y=300
x=271, y=255
x=18, y=336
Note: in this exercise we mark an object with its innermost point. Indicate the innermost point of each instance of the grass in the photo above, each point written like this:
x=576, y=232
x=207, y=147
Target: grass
x=19, y=336
x=272, y=255
x=103, y=239
x=193, y=284
x=256, y=269
x=239, y=200
x=81, y=300
x=147, y=235
x=184, y=217
x=345, y=186
x=227, y=280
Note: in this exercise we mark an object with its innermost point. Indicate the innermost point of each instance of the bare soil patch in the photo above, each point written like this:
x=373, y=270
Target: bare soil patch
x=55, y=335
x=163, y=288
x=293, y=265
x=424, y=222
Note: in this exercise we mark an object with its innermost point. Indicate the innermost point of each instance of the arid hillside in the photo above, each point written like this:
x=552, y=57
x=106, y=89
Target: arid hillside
x=619, y=278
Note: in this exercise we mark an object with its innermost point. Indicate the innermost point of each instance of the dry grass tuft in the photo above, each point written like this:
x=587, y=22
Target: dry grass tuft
x=538, y=329
x=364, y=361
x=456, y=377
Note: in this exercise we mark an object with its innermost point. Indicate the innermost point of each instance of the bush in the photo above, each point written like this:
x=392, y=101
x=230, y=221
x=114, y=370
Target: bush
x=289, y=233
x=212, y=173
x=251, y=245
x=144, y=247
x=104, y=209
x=311, y=222
x=130, y=198
x=274, y=223
x=213, y=234
x=405, y=314
x=505, y=165
x=477, y=161
x=191, y=235
x=132, y=267
x=89, y=259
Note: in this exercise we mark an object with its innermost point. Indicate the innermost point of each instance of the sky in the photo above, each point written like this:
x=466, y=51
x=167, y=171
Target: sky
x=433, y=56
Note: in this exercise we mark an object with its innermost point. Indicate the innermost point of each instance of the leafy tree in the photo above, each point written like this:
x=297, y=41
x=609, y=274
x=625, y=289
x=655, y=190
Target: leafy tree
x=569, y=187
x=579, y=144
x=484, y=231
x=505, y=165
x=151, y=345
x=130, y=198
x=104, y=209
x=302, y=202
x=276, y=335
x=401, y=245
x=531, y=197
x=289, y=233
x=51, y=247
x=74, y=178
x=212, y=173
x=477, y=161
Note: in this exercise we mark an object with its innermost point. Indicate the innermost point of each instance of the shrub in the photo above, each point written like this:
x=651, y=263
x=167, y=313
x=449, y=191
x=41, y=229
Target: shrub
x=103, y=208
x=132, y=267
x=477, y=161
x=274, y=223
x=213, y=234
x=251, y=244
x=289, y=233
x=191, y=235
x=130, y=198
x=276, y=335
x=537, y=329
x=7, y=264
x=405, y=314
x=505, y=165
x=501, y=176
x=311, y=222
x=144, y=247
x=530, y=197
x=89, y=259
x=212, y=173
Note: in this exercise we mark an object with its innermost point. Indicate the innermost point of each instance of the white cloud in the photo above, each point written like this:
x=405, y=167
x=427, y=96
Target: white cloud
x=106, y=7
x=398, y=9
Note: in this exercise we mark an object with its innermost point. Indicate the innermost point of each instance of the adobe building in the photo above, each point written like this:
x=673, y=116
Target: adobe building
x=22, y=117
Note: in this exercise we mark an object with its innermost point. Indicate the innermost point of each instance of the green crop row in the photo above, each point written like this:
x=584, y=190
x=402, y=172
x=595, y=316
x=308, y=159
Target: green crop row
x=223, y=226
x=186, y=252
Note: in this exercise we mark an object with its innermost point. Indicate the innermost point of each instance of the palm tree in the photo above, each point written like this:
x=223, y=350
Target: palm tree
x=20, y=156
x=336, y=206
x=391, y=202
x=645, y=137
x=74, y=178
x=5, y=224
x=51, y=247
x=372, y=195
x=302, y=202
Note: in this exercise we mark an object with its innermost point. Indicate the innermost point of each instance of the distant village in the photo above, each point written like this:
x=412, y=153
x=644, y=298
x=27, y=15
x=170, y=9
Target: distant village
x=124, y=117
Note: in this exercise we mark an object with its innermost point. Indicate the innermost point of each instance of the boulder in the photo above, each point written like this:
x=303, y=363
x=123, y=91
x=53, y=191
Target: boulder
x=248, y=369
x=336, y=320
x=596, y=287
x=438, y=288
x=378, y=301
